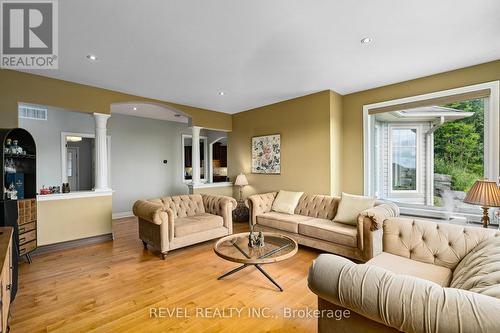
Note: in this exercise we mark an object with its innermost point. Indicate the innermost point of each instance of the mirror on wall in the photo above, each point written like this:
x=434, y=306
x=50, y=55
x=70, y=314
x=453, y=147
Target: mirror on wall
x=187, y=148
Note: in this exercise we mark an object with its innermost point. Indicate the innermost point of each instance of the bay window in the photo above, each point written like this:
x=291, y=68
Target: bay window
x=425, y=152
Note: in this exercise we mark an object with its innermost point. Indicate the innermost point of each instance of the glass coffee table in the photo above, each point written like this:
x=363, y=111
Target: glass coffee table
x=235, y=248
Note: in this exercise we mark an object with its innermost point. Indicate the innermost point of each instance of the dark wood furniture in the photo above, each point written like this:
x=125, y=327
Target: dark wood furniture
x=26, y=221
x=5, y=276
x=20, y=214
x=219, y=153
x=241, y=213
x=219, y=179
x=188, y=155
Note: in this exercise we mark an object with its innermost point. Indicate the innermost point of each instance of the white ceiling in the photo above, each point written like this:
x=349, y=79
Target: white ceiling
x=260, y=51
x=146, y=110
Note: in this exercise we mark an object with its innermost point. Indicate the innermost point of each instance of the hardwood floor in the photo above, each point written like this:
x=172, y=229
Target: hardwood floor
x=113, y=287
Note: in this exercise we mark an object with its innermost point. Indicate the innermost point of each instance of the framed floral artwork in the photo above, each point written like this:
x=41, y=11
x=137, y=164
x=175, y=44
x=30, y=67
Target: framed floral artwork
x=266, y=154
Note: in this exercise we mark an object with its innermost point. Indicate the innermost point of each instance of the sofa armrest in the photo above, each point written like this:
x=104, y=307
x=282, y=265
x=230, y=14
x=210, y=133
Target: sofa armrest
x=222, y=206
x=259, y=204
x=152, y=212
x=403, y=302
x=378, y=214
x=370, y=235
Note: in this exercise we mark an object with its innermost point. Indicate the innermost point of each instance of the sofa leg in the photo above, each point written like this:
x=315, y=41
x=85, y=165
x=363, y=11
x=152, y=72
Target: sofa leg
x=145, y=245
x=164, y=255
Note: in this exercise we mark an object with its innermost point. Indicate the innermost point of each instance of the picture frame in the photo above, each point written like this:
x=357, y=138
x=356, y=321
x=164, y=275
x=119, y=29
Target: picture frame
x=266, y=154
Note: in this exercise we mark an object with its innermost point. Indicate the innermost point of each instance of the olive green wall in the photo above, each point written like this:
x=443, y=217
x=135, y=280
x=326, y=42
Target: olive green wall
x=304, y=124
x=352, y=122
x=336, y=143
x=28, y=88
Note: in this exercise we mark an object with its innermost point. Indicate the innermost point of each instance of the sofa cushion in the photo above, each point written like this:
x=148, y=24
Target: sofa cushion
x=479, y=270
x=281, y=221
x=351, y=206
x=400, y=265
x=329, y=231
x=188, y=225
x=320, y=206
x=286, y=202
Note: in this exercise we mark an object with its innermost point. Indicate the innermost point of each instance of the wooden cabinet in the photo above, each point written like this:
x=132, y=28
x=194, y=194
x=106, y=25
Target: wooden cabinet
x=18, y=213
x=26, y=221
x=188, y=155
x=5, y=275
x=223, y=156
x=216, y=151
x=219, y=153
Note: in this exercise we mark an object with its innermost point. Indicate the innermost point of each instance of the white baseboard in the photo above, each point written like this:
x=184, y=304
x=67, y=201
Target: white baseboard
x=122, y=215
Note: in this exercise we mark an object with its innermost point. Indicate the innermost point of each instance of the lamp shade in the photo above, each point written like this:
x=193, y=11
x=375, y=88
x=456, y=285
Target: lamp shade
x=484, y=193
x=241, y=180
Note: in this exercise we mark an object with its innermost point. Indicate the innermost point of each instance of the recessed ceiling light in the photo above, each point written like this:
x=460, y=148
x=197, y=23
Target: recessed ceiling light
x=91, y=57
x=135, y=109
x=221, y=93
x=366, y=40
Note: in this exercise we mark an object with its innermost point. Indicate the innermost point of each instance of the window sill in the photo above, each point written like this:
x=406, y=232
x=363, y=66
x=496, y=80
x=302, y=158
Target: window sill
x=421, y=211
x=209, y=185
x=73, y=195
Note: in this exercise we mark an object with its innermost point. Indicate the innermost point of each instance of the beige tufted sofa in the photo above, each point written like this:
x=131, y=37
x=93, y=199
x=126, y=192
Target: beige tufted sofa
x=312, y=224
x=170, y=223
x=430, y=277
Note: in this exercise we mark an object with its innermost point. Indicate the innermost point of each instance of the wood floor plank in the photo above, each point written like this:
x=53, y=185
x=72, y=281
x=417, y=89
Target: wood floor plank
x=112, y=287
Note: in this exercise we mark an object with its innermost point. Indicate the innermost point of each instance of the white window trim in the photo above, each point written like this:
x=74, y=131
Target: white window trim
x=64, y=176
x=491, y=123
x=205, y=153
x=418, y=129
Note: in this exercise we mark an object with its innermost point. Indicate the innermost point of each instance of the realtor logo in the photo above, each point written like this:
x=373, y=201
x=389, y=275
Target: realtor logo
x=29, y=34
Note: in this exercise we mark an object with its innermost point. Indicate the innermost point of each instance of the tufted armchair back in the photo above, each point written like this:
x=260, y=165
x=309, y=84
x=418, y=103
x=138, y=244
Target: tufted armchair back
x=216, y=204
x=184, y=205
x=440, y=244
x=319, y=206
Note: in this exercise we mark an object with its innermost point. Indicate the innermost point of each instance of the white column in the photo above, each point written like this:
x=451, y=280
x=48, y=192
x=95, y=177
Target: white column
x=195, y=157
x=101, y=152
x=210, y=164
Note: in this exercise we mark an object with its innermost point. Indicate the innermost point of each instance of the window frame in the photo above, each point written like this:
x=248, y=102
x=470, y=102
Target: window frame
x=491, y=143
x=417, y=129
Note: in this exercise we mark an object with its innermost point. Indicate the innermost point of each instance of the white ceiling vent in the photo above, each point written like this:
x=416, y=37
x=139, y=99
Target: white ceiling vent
x=31, y=112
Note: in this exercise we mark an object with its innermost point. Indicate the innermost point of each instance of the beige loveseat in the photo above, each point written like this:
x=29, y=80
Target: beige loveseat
x=430, y=277
x=170, y=223
x=312, y=224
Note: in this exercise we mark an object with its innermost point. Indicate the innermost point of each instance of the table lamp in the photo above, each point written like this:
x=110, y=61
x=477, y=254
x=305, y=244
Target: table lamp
x=484, y=193
x=241, y=181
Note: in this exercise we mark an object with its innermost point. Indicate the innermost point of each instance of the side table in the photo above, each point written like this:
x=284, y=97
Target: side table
x=241, y=214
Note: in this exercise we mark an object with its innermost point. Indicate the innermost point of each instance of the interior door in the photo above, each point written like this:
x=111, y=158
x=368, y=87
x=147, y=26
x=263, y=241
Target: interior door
x=72, y=168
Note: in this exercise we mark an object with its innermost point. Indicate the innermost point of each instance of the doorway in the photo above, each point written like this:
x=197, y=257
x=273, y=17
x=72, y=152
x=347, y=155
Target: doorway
x=72, y=163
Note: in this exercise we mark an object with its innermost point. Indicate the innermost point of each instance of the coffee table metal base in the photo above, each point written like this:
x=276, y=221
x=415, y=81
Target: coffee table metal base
x=258, y=266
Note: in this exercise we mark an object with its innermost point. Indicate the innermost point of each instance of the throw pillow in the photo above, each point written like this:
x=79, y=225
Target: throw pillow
x=479, y=270
x=350, y=206
x=286, y=202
